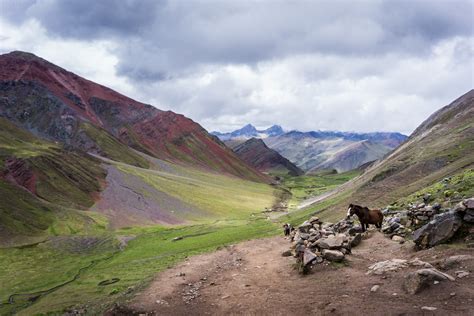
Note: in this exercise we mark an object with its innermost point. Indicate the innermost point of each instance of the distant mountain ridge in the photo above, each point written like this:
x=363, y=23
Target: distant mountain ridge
x=256, y=153
x=315, y=150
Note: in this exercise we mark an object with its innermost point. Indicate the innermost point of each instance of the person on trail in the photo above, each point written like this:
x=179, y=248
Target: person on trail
x=287, y=229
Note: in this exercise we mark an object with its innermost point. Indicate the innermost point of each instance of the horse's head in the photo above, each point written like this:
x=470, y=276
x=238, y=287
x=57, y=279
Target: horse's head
x=351, y=210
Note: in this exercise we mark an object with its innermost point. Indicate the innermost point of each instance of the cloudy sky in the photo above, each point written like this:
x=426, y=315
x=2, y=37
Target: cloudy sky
x=331, y=65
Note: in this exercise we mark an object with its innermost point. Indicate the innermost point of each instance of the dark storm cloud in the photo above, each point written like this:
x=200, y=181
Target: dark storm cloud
x=85, y=19
x=160, y=39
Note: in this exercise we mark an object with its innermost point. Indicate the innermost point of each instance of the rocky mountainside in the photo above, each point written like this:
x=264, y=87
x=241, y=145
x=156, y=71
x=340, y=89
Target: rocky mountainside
x=317, y=150
x=353, y=156
x=441, y=148
x=58, y=105
x=256, y=153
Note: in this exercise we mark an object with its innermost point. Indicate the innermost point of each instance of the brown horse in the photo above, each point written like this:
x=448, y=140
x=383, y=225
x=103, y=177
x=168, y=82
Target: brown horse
x=366, y=216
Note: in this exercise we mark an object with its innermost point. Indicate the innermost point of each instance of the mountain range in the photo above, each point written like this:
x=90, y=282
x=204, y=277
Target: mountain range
x=316, y=150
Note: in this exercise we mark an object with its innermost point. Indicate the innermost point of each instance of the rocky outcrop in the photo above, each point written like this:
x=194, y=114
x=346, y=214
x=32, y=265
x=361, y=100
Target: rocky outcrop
x=428, y=225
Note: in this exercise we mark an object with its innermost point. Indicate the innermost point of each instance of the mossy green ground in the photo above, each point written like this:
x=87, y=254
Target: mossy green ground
x=454, y=188
x=150, y=252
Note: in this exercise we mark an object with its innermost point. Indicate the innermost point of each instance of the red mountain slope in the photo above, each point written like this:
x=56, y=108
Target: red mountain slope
x=60, y=105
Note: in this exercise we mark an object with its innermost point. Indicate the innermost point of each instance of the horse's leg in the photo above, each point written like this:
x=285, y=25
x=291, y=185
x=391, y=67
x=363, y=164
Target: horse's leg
x=363, y=227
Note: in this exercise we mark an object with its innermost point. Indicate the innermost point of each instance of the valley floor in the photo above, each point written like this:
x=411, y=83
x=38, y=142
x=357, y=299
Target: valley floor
x=253, y=278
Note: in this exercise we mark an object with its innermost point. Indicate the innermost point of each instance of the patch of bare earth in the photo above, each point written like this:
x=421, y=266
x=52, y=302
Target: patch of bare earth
x=253, y=278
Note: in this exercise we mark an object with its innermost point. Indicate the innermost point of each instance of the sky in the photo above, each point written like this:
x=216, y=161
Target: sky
x=378, y=65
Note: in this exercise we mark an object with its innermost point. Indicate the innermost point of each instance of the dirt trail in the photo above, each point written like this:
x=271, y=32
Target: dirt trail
x=252, y=278
x=315, y=199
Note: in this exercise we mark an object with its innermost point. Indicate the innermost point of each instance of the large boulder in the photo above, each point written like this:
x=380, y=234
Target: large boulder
x=331, y=242
x=439, y=230
x=333, y=255
x=416, y=281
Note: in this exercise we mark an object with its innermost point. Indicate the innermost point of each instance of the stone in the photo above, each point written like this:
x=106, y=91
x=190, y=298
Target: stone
x=308, y=257
x=304, y=228
x=326, y=225
x=416, y=281
x=304, y=236
x=286, y=253
x=418, y=263
x=331, y=242
x=428, y=308
x=398, y=239
x=439, y=230
x=355, y=230
x=469, y=203
x=314, y=220
x=469, y=216
x=455, y=260
x=387, y=265
x=375, y=288
x=333, y=255
x=355, y=241
x=422, y=218
x=461, y=274
x=176, y=238
x=459, y=208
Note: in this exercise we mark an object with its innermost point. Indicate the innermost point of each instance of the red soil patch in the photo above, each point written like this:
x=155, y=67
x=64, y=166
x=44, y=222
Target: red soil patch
x=18, y=172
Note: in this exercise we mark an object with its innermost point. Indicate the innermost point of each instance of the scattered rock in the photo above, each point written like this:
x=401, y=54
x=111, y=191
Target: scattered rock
x=428, y=308
x=398, y=239
x=333, y=255
x=375, y=288
x=455, y=260
x=461, y=274
x=176, y=238
x=287, y=253
x=416, y=281
x=387, y=265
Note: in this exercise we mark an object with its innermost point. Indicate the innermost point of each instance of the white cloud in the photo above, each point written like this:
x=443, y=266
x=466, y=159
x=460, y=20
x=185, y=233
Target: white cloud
x=369, y=69
x=93, y=60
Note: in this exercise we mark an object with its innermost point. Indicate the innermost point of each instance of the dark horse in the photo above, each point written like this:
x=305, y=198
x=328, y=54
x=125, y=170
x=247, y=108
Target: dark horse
x=366, y=216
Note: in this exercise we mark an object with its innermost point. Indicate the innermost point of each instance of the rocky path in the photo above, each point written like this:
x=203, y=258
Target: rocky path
x=253, y=278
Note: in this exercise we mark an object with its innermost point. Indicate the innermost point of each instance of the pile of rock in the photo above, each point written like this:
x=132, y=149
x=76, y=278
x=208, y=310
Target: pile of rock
x=429, y=225
x=315, y=241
